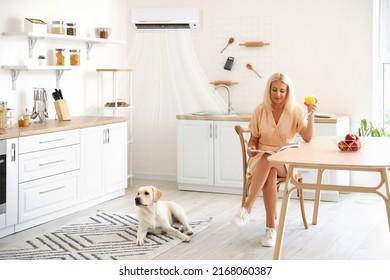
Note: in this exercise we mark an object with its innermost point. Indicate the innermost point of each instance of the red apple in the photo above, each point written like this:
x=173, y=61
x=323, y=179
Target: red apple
x=343, y=146
x=354, y=145
x=349, y=138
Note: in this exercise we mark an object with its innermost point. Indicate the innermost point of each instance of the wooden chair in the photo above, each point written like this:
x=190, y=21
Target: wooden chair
x=241, y=131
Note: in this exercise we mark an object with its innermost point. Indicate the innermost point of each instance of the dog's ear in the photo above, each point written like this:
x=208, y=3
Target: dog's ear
x=157, y=194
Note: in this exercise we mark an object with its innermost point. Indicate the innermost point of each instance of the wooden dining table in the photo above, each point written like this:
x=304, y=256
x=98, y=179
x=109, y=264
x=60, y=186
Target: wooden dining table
x=322, y=153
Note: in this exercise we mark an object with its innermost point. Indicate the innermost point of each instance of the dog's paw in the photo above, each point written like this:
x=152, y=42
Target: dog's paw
x=185, y=238
x=140, y=242
x=189, y=232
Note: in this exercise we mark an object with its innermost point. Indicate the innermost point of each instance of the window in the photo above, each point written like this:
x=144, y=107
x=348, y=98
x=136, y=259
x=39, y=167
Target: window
x=384, y=64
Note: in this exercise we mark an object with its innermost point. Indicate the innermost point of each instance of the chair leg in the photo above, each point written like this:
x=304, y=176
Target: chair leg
x=303, y=212
x=245, y=190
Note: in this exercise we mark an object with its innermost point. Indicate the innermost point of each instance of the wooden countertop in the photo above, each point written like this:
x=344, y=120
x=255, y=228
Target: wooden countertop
x=55, y=126
x=246, y=117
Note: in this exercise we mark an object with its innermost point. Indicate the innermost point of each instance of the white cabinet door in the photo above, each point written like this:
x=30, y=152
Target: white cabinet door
x=115, y=157
x=92, y=162
x=227, y=155
x=104, y=159
x=195, y=152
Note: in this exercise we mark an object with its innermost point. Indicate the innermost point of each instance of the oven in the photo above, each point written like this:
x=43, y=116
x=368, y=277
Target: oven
x=3, y=176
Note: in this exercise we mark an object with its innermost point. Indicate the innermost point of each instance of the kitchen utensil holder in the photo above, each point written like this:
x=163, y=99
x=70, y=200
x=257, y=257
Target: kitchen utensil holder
x=62, y=110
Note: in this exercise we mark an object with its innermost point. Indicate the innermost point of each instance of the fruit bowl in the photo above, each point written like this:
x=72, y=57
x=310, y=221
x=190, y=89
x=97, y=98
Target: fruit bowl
x=349, y=145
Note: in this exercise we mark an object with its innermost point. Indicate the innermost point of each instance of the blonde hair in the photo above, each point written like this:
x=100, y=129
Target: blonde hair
x=290, y=97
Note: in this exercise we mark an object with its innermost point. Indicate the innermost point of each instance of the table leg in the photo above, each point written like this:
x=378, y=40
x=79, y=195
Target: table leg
x=283, y=213
x=317, y=197
x=386, y=180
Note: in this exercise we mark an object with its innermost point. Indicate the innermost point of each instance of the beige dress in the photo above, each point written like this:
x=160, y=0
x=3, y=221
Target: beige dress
x=271, y=134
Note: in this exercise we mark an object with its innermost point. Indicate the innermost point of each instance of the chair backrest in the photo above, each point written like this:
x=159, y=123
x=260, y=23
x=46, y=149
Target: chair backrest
x=242, y=132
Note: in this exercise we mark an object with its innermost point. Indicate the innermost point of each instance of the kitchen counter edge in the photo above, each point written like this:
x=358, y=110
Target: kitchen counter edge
x=54, y=126
x=246, y=117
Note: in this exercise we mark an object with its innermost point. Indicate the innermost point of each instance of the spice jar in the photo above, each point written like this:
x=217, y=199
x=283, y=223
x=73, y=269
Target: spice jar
x=103, y=33
x=60, y=58
x=58, y=27
x=74, y=56
x=71, y=29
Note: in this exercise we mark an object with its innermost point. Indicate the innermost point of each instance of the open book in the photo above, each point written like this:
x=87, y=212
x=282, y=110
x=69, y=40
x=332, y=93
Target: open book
x=281, y=148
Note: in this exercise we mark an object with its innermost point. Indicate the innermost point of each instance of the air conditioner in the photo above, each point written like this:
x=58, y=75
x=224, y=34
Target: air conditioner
x=166, y=18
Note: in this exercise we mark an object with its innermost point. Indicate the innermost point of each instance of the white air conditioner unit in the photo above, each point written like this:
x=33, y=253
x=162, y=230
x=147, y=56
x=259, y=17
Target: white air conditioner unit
x=166, y=18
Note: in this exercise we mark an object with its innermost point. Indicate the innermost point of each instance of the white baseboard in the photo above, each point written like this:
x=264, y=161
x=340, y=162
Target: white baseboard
x=154, y=176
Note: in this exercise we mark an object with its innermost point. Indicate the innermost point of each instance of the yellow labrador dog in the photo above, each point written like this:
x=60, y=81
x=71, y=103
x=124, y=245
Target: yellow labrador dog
x=158, y=216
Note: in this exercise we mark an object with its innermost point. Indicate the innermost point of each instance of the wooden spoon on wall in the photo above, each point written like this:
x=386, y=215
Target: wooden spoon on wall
x=249, y=67
x=231, y=40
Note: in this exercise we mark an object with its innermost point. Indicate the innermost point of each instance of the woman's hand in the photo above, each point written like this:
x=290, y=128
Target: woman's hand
x=251, y=151
x=311, y=108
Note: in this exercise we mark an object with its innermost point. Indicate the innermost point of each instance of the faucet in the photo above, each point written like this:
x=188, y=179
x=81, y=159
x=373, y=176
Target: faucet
x=230, y=108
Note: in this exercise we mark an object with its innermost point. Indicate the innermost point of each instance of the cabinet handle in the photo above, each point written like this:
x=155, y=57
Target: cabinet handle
x=211, y=131
x=106, y=136
x=53, y=140
x=52, y=190
x=52, y=162
x=13, y=152
x=215, y=132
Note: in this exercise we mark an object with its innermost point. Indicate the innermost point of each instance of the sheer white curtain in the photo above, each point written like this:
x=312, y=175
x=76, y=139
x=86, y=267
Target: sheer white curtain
x=168, y=79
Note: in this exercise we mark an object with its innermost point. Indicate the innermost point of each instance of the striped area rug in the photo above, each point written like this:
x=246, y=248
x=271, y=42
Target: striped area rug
x=104, y=236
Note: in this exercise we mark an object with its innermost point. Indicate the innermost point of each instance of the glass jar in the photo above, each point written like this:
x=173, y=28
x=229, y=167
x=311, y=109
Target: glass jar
x=3, y=115
x=71, y=29
x=60, y=57
x=74, y=56
x=58, y=27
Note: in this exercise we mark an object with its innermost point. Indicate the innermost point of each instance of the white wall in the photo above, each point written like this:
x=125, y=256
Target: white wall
x=324, y=45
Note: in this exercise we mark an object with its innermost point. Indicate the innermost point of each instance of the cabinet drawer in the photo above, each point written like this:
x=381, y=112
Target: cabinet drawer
x=44, y=196
x=48, y=162
x=48, y=141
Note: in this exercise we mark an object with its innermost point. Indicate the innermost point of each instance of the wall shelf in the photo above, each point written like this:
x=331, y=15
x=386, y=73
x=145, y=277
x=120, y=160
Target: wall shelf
x=15, y=71
x=33, y=37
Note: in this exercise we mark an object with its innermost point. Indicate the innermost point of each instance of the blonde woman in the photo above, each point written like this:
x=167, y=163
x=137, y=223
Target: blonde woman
x=275, y=122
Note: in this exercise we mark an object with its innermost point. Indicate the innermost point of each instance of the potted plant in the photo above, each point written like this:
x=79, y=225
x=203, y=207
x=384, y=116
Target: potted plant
x=41, y=60
x=368, y=129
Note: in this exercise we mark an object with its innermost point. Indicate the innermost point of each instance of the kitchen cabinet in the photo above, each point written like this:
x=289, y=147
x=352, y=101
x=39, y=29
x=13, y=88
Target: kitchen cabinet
x=57, y=168
x=206, y=159
x=104, y=162
x=49, y=177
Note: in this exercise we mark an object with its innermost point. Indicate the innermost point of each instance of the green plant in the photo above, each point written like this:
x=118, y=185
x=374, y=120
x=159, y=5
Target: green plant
x=367, y=128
